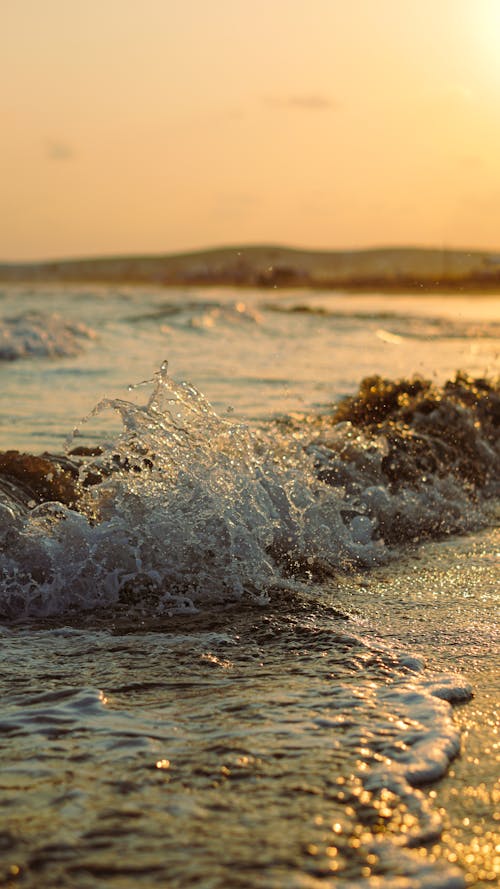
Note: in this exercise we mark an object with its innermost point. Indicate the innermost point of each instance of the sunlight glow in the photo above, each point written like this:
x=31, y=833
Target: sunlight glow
x=485, y=25
x=168, y=131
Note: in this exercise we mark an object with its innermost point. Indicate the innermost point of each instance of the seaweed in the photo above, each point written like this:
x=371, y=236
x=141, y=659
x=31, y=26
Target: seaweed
x=431, y=430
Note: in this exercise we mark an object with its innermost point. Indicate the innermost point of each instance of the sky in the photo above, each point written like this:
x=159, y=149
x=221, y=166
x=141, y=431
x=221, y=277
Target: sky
x=146, y=126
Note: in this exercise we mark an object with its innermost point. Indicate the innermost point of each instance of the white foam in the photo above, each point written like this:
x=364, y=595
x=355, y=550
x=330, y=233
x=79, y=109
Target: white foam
x=194, y=509
x=40, y=335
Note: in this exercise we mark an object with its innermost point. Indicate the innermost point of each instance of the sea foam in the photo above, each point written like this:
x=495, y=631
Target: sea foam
x=186, y=508
x=39, y=335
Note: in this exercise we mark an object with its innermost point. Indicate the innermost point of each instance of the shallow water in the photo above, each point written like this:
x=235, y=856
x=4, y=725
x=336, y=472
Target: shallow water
x=246, y=357
x=284, y=746
x=250, y=654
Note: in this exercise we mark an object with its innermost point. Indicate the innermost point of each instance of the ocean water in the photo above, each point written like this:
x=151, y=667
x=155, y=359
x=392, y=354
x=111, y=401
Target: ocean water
x=248, y=602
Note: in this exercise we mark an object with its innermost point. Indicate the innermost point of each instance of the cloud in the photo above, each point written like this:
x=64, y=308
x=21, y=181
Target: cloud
x=58, y=150
x=304, y=102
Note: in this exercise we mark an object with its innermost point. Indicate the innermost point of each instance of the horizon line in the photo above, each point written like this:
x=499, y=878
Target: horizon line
x=238, y=247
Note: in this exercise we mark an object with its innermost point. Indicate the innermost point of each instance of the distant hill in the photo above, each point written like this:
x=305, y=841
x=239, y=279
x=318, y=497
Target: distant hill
x=269, y=266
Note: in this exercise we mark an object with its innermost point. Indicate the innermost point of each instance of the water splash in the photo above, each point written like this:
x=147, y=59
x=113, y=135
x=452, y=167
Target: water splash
x=187, y=508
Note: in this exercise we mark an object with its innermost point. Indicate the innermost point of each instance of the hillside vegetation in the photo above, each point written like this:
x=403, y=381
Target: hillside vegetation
x=388, y=268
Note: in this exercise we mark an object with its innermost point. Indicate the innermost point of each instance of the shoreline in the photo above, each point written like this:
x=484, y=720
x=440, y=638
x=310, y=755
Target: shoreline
x=450, y=621
x=386, y=270
x=369, y=290
x=403, y=605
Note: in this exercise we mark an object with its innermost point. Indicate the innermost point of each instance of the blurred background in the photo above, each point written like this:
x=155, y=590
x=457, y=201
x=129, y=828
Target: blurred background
x=159, y=125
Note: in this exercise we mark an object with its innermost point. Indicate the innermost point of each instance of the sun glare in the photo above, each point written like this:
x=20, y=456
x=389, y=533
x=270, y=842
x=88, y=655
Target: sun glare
x=485, y=24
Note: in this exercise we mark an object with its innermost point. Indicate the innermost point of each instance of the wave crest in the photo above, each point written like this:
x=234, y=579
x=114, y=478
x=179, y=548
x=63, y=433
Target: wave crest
x=185, y=508
x=39, y=335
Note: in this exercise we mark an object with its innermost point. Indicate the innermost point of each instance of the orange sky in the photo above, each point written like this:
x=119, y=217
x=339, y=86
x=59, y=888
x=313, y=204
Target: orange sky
x=162, y=125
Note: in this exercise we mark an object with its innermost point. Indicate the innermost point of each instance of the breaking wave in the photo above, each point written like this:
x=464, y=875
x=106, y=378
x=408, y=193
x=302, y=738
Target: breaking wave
x=186, y=509
x=39, y=335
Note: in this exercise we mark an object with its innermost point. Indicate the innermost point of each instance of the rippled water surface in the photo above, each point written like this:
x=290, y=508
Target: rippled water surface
x=250, y=352
x=283, y=746
x=250, y=652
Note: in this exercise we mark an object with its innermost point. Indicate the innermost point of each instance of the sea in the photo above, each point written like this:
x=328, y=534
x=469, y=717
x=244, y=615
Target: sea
x=249, y=583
